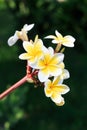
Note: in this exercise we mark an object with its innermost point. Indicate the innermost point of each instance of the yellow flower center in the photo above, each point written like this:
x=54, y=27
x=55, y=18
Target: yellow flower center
x=60, y=39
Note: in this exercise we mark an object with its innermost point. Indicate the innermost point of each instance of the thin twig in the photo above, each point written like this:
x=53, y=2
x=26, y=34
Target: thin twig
x=13, y=87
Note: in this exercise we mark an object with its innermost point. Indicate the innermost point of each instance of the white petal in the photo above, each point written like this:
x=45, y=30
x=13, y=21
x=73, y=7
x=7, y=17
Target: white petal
x=44, y=49
x=58, y=79
x=33, y=64
x=50, y=37
x=27, y=27
x=69, y=41
x=57, y=72
x=64, y=88
x=55, y=41
x=24, y=56
x=42, y=76
x=72, y=39
x=47, y=90
x=61, y=65
x=13, y=39
x=61, y=103
x=57, y=33
x=66, y=74
x=60, y=56
x=27, y=45
x=57, y=98
x=51, y=51
x=57, y=58
x=68, y=44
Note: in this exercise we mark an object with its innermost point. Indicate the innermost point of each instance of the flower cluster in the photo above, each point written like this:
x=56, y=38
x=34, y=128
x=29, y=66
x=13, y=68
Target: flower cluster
x=45, y=65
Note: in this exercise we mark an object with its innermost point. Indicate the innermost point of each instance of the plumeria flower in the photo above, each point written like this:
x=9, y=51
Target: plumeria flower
x=49, y=65
x=67, y=41
x=20, y=34
x=55, y=89
x=34, y=51
x=45, y=66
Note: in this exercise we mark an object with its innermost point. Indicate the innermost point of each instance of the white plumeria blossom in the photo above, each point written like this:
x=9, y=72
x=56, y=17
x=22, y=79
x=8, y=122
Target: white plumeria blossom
x=54, y=89
x=49, y=65
x=67, y=41
x=13, y=39
x=34, y=51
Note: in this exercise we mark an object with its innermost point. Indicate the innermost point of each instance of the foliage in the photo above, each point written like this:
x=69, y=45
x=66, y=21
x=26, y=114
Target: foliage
x=27, y=108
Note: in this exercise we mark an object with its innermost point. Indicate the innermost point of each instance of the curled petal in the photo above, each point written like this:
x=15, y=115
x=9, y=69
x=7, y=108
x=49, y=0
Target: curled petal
x=24, y=56
x=65, y=74
x=61, y=103
x=68, y=44
x=13, y=39
x=55, y=41
x=27, y=27
x=56, y=98
x=68, y=41
x=70, y=38
x=50, y=37
x=47, y=89
x=58, y=34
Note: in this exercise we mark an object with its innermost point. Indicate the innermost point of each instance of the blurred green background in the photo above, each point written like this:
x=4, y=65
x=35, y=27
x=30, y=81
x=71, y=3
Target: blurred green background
x=27, y=108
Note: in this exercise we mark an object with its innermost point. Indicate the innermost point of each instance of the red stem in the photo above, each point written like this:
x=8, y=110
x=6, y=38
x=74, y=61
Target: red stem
x=19, y=83
x=13, y=87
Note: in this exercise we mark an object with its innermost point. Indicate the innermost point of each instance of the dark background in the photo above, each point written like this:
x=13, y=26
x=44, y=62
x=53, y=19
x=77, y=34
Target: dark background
x=27, y=108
